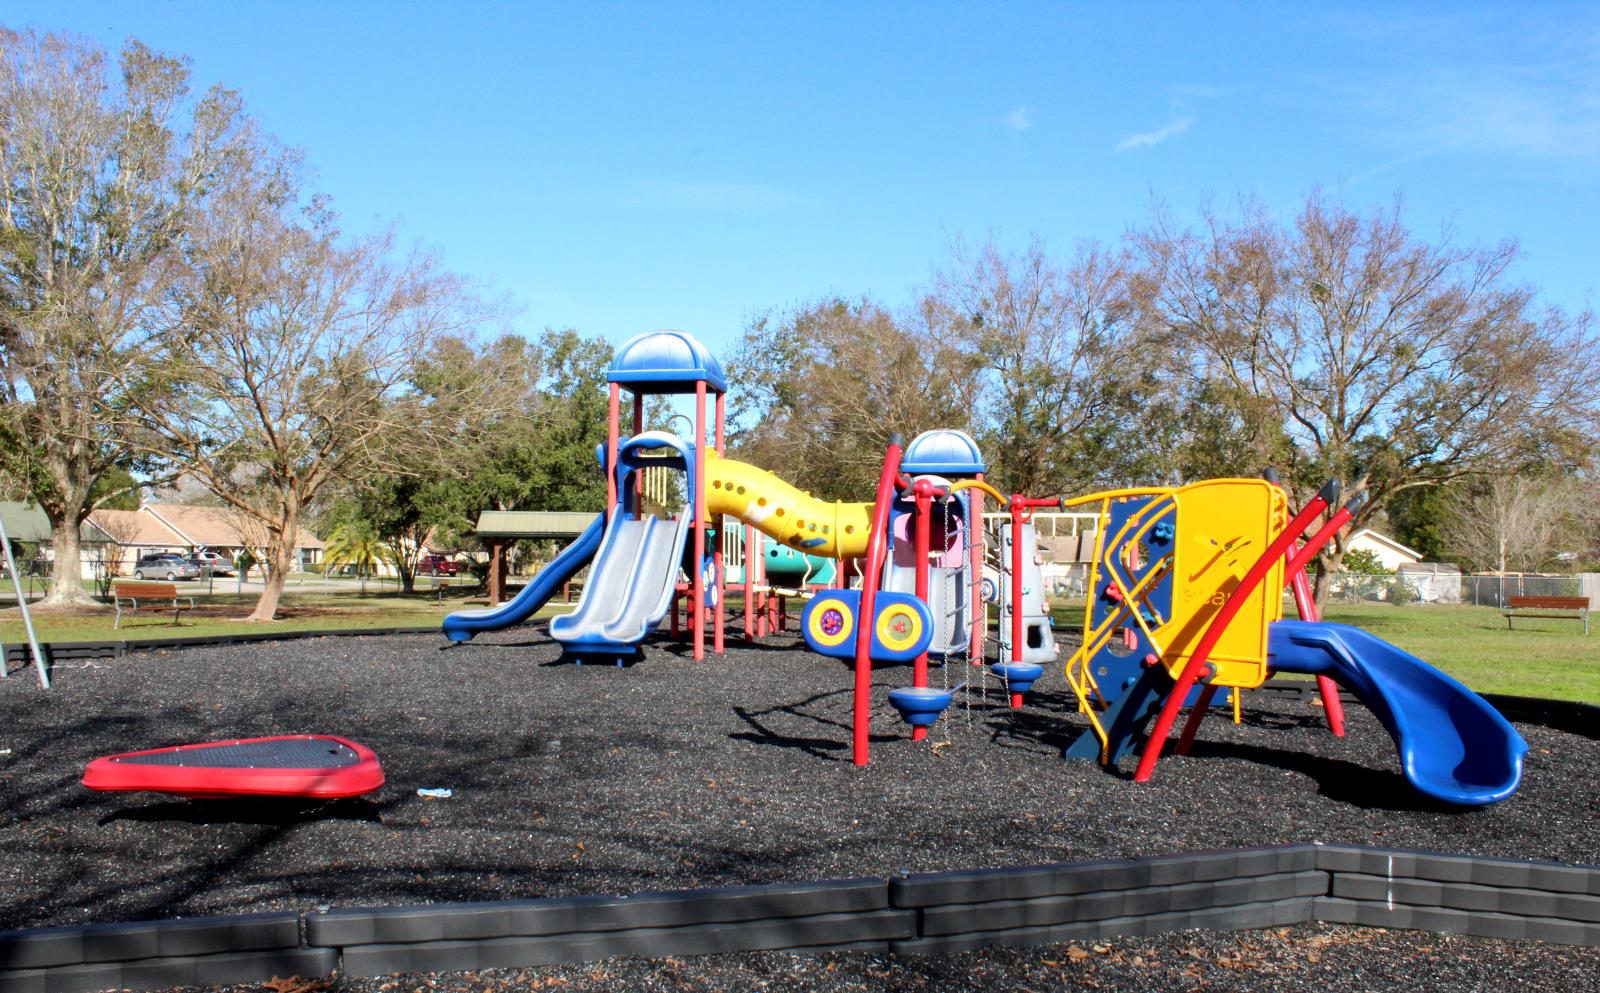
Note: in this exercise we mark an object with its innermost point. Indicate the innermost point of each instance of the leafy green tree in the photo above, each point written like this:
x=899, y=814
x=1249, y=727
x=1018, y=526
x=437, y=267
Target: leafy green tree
x=1420, y=517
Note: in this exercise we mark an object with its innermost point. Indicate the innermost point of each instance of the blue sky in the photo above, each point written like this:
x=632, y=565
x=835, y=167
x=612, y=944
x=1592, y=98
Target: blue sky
x=622, y=167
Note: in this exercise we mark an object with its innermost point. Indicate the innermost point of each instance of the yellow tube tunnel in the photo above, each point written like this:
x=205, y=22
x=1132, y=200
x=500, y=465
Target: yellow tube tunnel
x=785, y=513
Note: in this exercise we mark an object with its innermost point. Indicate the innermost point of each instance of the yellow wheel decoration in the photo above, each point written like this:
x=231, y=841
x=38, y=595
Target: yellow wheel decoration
x=832, y=623
x=899, y=627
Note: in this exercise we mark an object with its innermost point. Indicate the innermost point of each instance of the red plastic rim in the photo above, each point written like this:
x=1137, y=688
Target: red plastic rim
x=116, y=773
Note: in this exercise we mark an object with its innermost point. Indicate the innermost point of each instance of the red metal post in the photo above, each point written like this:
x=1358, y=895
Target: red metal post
x=877, y=543
x=697, y=585
x=923, y=546
x=1017, y=502
x=613, y=427
x=975, y=538
x=749, y=582
x=638, y=426
x=719, y=639
x=1225, y=615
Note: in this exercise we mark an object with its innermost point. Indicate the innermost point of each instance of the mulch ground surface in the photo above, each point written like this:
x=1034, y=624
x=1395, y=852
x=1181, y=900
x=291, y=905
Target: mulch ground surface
x=672, y=773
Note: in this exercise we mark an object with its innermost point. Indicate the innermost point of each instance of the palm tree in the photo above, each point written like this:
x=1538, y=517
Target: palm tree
x=355, y=545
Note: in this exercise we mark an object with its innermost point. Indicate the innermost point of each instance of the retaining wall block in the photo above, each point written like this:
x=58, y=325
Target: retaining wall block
x=1481, y=870
x=1485, y=925
x=1011, y=914
x=1244, y=917
x=164, y=973
x=819, y=933
x=566, y=915
x=1467, y=896
x=90, y=943
x=1068, y=878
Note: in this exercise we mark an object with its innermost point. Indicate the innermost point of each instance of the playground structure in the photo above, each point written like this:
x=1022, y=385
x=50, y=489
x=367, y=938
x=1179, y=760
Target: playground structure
x=1186, y=592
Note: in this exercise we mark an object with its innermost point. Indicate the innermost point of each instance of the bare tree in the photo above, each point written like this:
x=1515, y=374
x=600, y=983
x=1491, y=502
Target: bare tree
x=1513, y=523
x=1064, y=372
x=1392, y=362
x=291, y=349
x=818, y=391
x=98, y=185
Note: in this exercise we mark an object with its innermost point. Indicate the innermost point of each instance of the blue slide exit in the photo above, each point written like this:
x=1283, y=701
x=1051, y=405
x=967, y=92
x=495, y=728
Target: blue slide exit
x=463, y=624
x=1453, y=745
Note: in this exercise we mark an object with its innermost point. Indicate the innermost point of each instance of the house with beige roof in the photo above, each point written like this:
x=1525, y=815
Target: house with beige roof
x=185, y=528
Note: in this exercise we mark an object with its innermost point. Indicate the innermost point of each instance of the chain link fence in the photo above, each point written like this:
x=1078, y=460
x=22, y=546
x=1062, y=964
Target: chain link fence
x=1424, y=582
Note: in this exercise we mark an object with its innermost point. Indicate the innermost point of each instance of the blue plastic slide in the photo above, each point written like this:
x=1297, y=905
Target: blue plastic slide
x=1453, y=745
x=630, y=588
x=463, y=624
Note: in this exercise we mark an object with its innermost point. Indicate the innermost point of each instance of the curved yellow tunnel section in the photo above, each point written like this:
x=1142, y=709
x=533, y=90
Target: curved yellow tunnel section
x=785, y=513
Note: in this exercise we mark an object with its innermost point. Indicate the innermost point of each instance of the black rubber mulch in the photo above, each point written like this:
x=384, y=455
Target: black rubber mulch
x=673, y=773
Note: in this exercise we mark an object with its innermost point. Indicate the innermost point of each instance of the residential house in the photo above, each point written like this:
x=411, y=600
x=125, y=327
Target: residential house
x=1390, y=553
x=185, y=528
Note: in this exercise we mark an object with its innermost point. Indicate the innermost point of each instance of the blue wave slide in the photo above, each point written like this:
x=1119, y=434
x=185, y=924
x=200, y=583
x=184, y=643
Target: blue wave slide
x=1452, y=744
x=463, y=624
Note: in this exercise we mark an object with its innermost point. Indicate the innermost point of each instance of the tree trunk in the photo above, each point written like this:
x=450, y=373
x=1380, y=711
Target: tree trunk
x=280, y=559
x=408, y=577
x=66, y=572
x=1328, y=562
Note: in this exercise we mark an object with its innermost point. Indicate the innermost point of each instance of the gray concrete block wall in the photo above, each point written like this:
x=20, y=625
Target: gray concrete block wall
x=910, y=914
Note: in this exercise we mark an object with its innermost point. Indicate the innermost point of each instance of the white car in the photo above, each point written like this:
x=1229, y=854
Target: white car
x=219, y=564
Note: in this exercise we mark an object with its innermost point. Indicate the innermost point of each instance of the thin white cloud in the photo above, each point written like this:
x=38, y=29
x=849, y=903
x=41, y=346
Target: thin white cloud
x=1145, y=139
x=1020, y=119
x=1514, y=83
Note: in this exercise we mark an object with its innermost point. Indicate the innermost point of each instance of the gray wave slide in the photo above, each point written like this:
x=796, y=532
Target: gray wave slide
x=631, y=583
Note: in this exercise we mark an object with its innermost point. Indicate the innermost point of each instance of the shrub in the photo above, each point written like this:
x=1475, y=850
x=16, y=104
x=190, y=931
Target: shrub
x=1402, y=593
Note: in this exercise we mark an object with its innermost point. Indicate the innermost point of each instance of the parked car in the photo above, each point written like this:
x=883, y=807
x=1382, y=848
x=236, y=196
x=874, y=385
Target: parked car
x=219, y=564
x=437, y=565
x=165, y=565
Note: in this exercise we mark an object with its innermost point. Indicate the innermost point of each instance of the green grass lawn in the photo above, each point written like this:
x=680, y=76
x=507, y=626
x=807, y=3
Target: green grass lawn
x=222, y=614
x=1544, y=658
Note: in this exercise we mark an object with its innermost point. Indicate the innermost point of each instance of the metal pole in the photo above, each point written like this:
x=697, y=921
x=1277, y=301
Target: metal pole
x=27, y=618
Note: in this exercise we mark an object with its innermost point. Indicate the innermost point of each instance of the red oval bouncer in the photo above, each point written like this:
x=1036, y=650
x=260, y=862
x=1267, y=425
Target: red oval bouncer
x=313, y=766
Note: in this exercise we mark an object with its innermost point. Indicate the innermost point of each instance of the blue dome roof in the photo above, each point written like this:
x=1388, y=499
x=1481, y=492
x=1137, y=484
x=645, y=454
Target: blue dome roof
x=666, y=362
x=947, y=453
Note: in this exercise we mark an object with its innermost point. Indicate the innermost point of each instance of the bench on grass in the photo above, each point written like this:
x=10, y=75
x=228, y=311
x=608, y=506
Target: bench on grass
x=145, y=598
x=1572, y=608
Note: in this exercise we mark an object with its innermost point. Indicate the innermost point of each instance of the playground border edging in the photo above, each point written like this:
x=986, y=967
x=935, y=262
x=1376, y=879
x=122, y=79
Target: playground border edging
x=909, y=914
x=18, y=654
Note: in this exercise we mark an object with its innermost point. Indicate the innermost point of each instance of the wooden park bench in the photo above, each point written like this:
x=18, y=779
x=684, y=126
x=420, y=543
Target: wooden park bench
x=1572, y=608
x=144, y=598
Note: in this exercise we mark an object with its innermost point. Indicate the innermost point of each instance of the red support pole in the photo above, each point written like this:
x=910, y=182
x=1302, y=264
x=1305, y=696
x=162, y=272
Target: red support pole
x=923, y=546
x=1225, y=615
x=613, y=427
x=719, y=639
x=1017, y=501
x=697, y=584
x=749, y=582
x=638, y=426
x=877, y=542
x=975, y=538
